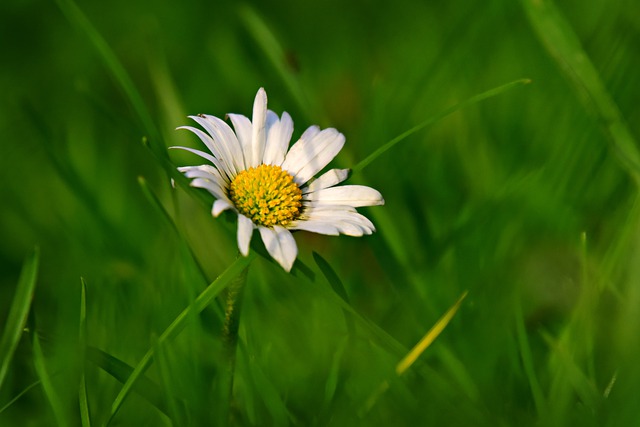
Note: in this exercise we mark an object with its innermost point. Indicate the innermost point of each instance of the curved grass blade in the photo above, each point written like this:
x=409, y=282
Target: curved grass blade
x=563, y=45
x=77, y=18
x=429, y=337
x=179, y=323
x=473, y=100
x=269, y=44
x=83, y=400
x=18, y=312
x=47, y=385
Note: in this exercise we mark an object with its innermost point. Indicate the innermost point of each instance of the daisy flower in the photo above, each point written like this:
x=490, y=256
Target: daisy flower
x=273, y=189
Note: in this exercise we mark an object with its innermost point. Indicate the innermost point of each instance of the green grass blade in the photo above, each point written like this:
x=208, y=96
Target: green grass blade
x=527, y=362
x=47, y=385
x=121, y=371
x=336, y=284
x=19, y=395
x=473, y=100
x=179, y=323
x=18, y=312
x=83, y=400
x=269, y=44
x=563, y=45
x=77, y=18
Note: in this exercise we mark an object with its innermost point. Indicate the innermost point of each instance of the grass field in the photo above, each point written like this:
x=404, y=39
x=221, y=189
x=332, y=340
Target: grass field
x=510, y=174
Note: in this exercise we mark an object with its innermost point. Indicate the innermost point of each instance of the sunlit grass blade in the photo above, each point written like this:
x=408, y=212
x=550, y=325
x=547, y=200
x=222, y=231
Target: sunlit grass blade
x=473, y=100
x=563, y=45
x=179, y=323
x=269, y=44
x=429, y=337
x=527, y=362
x=85, y=414
x=49, y=390
x=18, y=312
x=113, y=64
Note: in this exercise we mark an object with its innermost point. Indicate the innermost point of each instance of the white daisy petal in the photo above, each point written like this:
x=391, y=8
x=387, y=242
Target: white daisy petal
x=231, y=141
x=343, y=220
x=219, y=206
x=308, y=156
x=206, y=139
x=242, y=126
x=280, y=245
x=259, y=123
x=245, y=230
x=222, y=168
x=211, y=186
x=328, y=179
x=350, y=195
x=224, y=148
x=316, y=226
x=278, y=138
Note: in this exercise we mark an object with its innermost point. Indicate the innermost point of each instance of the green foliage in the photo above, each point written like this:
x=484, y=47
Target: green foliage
x=526, y=196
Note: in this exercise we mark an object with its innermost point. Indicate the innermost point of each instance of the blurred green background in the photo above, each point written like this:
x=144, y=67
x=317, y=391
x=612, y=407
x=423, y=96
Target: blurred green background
x=528, y=200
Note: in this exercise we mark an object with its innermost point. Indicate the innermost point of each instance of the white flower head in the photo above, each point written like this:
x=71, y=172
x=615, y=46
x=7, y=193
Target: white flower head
x=272, y=189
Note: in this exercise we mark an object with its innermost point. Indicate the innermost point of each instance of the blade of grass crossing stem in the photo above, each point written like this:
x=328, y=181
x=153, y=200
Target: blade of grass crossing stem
x=269, y=44
x=178, y=324
x=335, y=282
x=471, y=101
x=18, y=312
x=569, y=372
x=83, y=400
x=155, y=202
x=558, y=37
x=19, y=395
x=429, y=337
x=77, y=18
x=527, y=362
x=121, y=371
x=47, y=385
x=177, y=416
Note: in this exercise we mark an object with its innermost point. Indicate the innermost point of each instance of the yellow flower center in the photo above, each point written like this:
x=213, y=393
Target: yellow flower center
x=267, y=195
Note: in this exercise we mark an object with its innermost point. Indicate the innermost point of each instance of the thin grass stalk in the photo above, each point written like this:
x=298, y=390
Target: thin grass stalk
x=235, y=293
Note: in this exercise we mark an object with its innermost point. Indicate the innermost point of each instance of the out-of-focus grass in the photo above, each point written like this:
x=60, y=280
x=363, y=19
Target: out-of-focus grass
x=520, y=199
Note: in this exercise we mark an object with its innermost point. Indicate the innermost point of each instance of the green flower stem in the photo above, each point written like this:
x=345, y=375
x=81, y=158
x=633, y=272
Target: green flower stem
x=235, y=292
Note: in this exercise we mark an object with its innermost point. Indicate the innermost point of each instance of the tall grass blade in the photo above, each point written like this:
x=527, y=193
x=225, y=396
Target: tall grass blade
x=473, y=100
x=558, y=37
x=337, y=286
x=77, y=18
x=83, y=399
x=270, y=45
x=179, y=323
x=429, y=337
x=18, y=312
x=47, y=385
x=527, y=362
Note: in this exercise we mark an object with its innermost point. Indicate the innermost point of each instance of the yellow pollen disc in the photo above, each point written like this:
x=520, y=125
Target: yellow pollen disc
x=267, y=195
